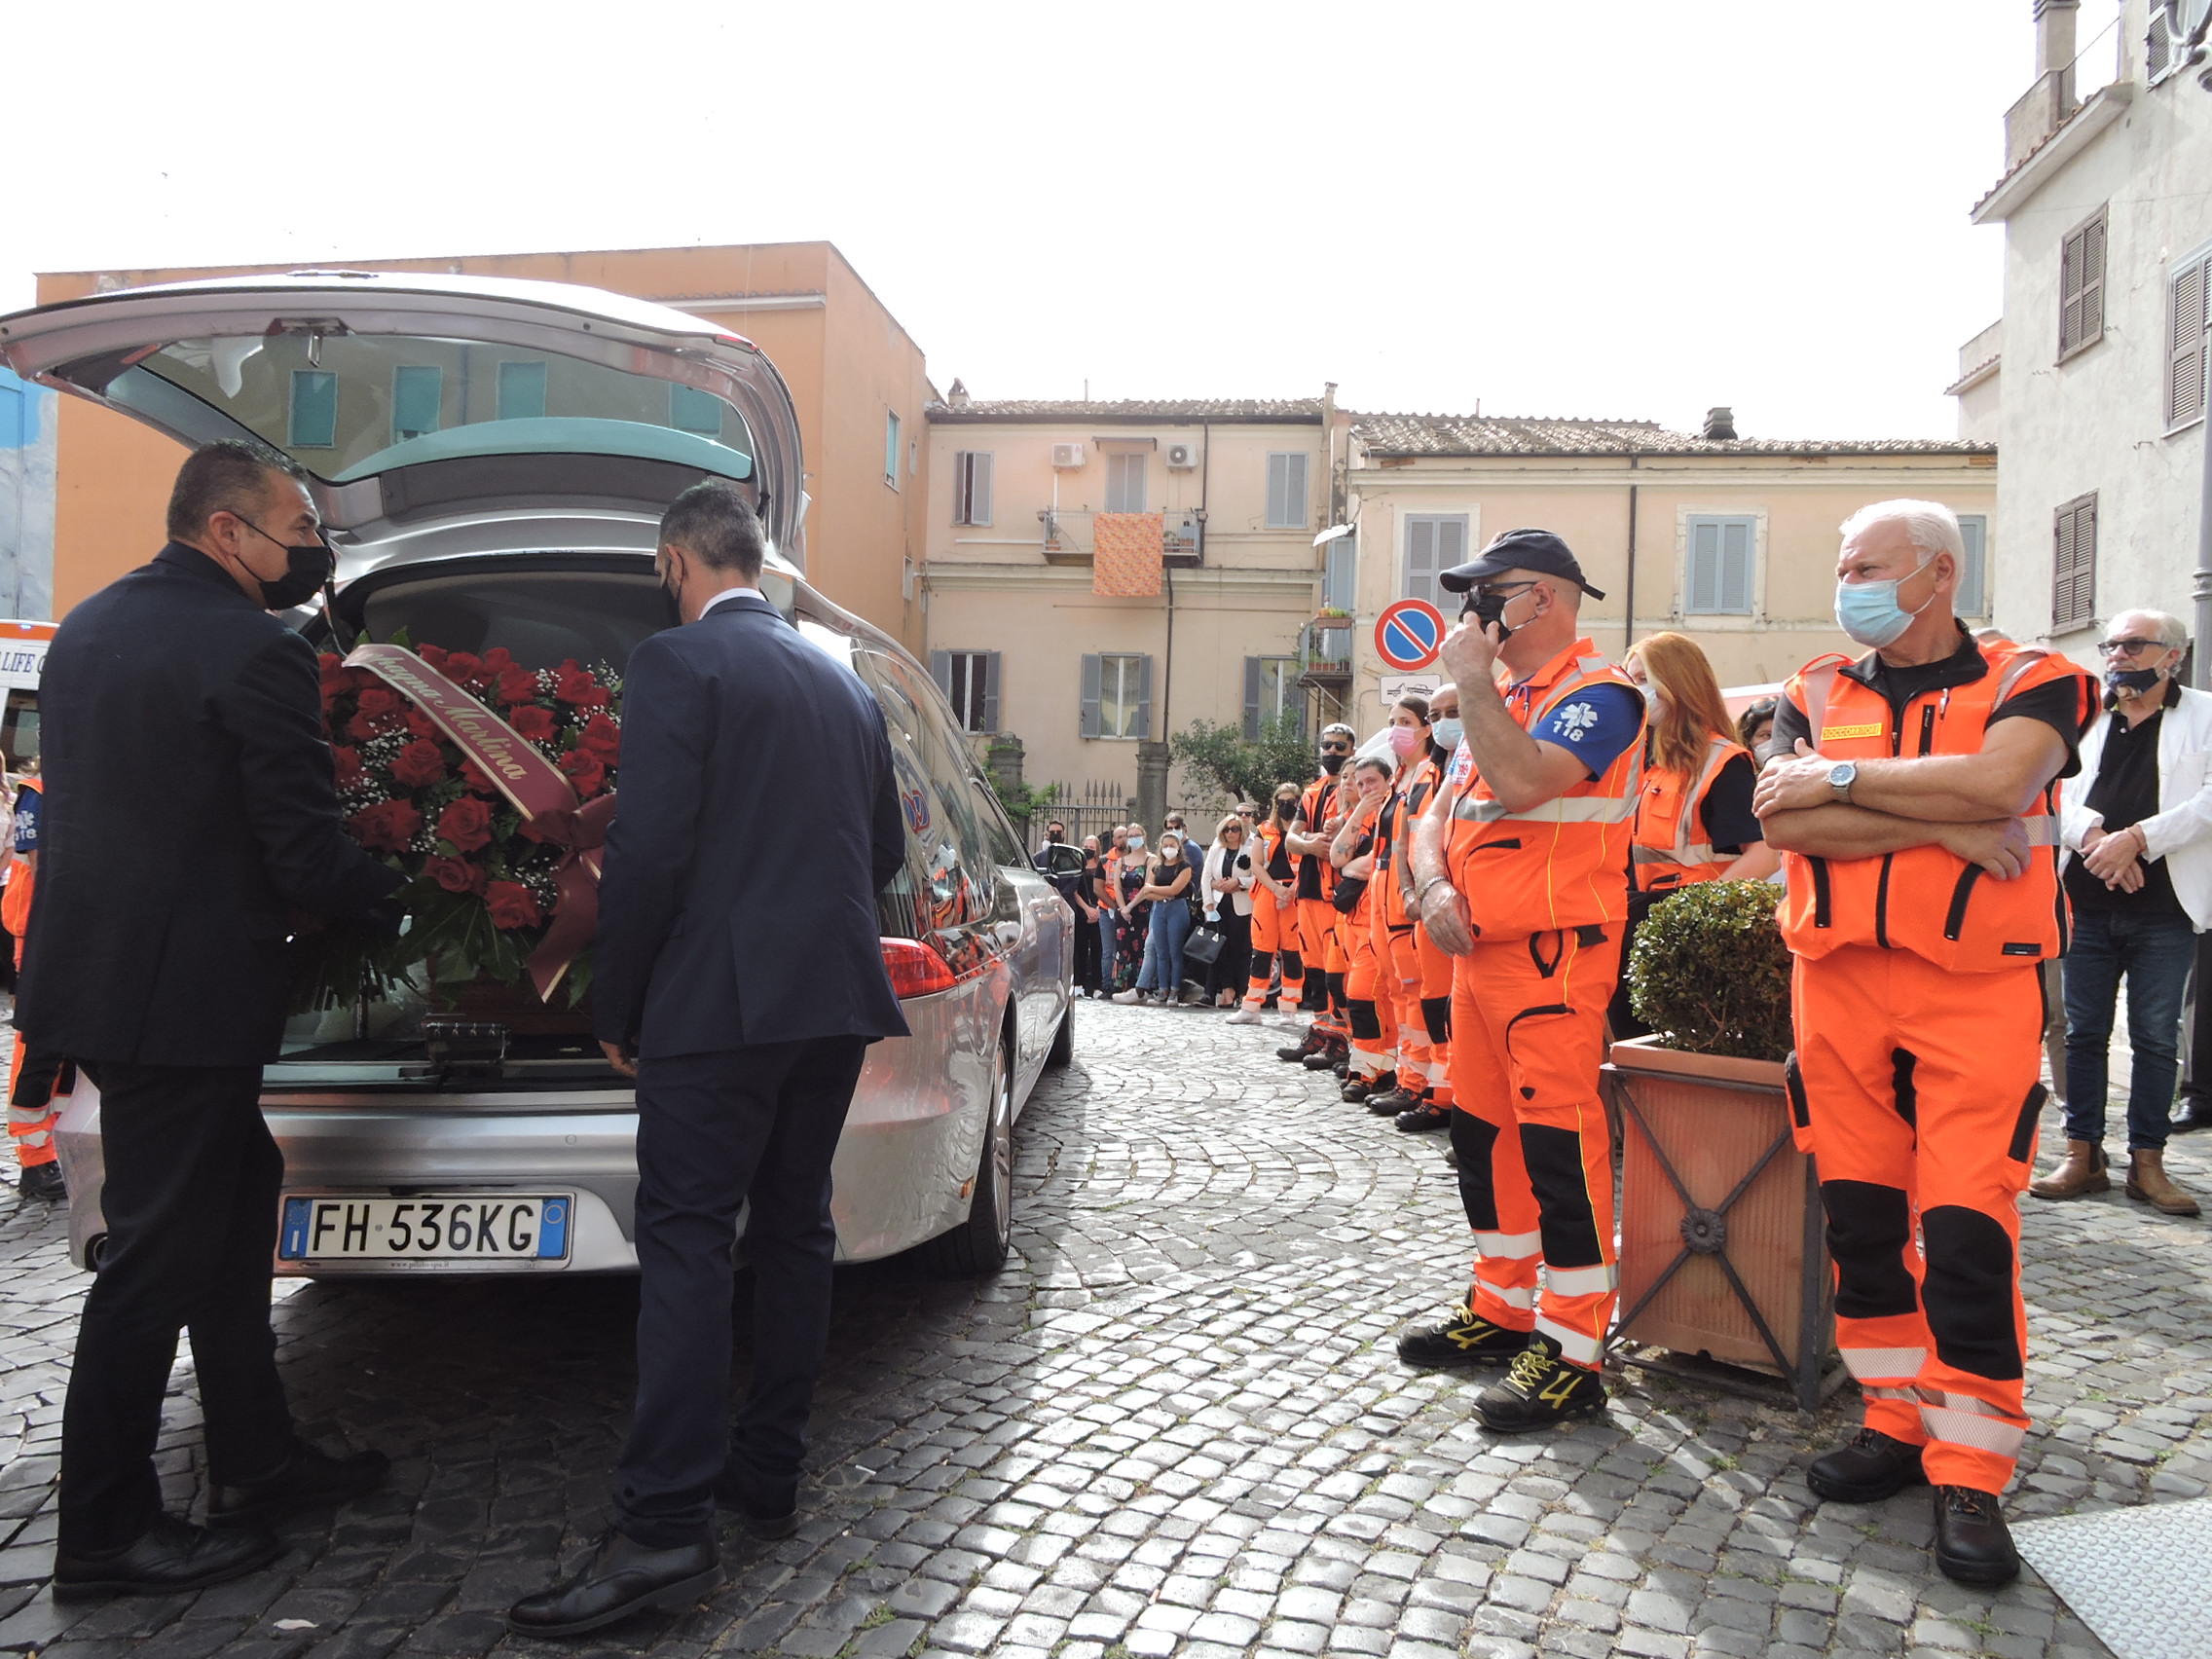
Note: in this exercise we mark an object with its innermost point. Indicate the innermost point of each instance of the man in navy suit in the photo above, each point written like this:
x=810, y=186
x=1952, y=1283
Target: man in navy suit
x=738, y=975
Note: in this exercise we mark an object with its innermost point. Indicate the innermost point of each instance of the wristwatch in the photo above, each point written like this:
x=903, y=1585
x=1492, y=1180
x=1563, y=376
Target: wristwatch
x=1841, y=776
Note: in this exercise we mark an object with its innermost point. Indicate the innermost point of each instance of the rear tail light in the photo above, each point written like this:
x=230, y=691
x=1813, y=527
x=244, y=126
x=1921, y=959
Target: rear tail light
x=915, y=969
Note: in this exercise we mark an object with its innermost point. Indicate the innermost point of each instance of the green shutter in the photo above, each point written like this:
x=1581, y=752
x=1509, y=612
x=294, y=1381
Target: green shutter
x=522, y=391
x=417, y=392
x=313, y=415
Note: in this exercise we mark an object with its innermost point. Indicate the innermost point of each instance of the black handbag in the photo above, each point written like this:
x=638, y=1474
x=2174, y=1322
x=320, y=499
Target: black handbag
x=1204, y=946
x=1350, y=889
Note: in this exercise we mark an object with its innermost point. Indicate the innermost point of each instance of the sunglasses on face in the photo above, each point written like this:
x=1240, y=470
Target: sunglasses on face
x=2129, y=647
x=1336, y=749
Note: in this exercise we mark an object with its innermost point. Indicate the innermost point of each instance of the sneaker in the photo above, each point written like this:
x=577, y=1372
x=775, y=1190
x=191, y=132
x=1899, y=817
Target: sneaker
x=1131, y=996
x=1972, y=1544
x=1539, y=1390
x=1243, y=1016
x=1865, y=1470
x=1464, y=1339
x=1428, y=1116
x=43, y=1181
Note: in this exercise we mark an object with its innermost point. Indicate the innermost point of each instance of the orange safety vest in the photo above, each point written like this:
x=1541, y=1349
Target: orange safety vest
x=1309, y=806
x=1417, y=784
x=1671, y=849
x=1560, y=865
x=1926, y=899
x=16, y=900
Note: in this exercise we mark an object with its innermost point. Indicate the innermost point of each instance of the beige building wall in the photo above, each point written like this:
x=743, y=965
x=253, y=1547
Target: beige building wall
x=846, y=359
x=1795, y=503
x=996, y=588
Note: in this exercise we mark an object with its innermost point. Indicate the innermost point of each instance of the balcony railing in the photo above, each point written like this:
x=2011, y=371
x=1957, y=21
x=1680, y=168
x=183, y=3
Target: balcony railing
x=1066, y=537
x=1324, y=651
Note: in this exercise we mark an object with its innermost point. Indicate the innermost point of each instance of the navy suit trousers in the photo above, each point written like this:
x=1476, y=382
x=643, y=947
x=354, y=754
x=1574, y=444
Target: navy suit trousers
x=756, y=1124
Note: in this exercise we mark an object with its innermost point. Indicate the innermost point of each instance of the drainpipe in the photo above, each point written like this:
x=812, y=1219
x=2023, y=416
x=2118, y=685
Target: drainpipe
x=1628, y=628
x=2201, y=587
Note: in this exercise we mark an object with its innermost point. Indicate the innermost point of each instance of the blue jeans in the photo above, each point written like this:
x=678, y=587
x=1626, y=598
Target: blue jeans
x=1163, y=947
x=2155, y=953
x=1109, y=942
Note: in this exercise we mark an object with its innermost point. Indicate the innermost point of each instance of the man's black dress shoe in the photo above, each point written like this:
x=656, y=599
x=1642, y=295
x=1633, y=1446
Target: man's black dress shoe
x=1972, y=1545
x=621, y=1578
x=767, y=1510
x=2195, y=1114
x=1869, y=1467
x=172, y=1555
x=43, y=1181
x=307, y=1480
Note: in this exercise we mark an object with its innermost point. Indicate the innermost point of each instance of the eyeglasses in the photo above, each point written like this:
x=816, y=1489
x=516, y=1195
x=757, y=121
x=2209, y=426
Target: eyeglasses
x=2131, y=647
x=1336, y=749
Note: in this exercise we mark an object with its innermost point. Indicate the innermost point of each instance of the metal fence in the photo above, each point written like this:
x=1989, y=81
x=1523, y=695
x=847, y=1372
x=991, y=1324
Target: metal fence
x=1092, y=808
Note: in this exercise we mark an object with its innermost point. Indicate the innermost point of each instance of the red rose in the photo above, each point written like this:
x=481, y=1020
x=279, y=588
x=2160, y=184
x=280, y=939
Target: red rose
x=497, y=660
x=467, y=824
x=381, y=700
x=517, y=685
x=586, y=773
x=387, y=827
x=602, y=740
x=418, y=766
x=573, y=683
x=365, y=725
x=511, y=904
x=434, y=655
x=477, y=779
x=420, y=725
x=463, y=668
x=347, y=760
x=455, y=876
x=534, y=722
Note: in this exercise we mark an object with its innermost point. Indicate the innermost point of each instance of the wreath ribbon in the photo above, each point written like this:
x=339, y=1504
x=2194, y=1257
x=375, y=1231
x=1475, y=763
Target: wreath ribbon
x=532, y=786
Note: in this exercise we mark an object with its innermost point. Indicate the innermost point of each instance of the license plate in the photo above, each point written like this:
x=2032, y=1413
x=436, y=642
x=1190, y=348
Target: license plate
x=441, y=1227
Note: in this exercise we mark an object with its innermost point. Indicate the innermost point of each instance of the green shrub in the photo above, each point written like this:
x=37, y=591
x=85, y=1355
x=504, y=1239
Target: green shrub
x=1709, y=973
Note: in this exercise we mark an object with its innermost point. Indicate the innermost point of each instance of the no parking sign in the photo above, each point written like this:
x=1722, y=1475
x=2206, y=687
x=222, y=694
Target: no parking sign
x=1408, y=634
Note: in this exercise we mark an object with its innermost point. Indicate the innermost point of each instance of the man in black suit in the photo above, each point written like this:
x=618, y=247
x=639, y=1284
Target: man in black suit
x=189, y=803
x=739, y=969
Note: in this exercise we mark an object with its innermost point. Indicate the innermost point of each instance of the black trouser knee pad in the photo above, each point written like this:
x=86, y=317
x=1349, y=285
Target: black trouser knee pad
x=1565, y=1215
x=1967, y=1289
x=1473, y=1143
x=1366, y=1024
x=1436, y=1014
x=1869, y=1231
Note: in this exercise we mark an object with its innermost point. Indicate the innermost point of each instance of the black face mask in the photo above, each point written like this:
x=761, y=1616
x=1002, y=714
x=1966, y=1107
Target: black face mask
x=1285, y=811
x=307, y=570
x=1333, y=763
x=675, y=603
x=2131, y=679
x=1488, y=609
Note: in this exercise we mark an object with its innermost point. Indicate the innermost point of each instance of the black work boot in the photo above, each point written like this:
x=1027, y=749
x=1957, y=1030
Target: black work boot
x=1972, y=1545
x=1312, y=1042
x=1867, y=1468
x=43, y=1181
x=1360, y=1088
x=1541, y=1389
x=1424, y=1118
x=1464, y=1339
x=1398, y=1100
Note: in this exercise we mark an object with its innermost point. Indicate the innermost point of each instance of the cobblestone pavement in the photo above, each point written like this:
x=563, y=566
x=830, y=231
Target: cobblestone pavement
x=1174, y=1425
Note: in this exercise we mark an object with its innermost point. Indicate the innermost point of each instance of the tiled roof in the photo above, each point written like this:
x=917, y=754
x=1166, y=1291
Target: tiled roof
x=1498, y=434
x=1036, y=409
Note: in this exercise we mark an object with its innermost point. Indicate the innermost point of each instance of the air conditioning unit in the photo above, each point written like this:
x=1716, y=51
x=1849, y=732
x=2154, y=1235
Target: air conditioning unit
x=1067, y=455
x=1180, y=458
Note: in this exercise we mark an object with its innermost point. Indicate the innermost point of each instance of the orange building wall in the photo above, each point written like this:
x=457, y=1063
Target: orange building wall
x=845, y=359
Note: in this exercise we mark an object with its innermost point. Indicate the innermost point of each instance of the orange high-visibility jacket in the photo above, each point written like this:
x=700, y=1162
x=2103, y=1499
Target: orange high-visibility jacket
x=1311, y=808
x=1926, y=899
x=1560, y=865
x=1417, y=784
x=16, y=901
x=1671, y=847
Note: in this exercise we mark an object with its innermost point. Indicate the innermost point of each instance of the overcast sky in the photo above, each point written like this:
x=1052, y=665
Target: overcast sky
x=1600, y=207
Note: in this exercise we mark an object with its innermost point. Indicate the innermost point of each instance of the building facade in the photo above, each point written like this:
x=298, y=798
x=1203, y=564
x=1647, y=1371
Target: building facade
x=26, y=500
x=2094, y=384
x=857, y=381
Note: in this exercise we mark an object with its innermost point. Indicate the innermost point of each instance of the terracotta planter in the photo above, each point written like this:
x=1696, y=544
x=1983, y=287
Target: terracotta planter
x=1721, y=1249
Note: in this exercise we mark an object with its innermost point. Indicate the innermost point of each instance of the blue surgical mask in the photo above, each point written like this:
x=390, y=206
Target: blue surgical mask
x=1449, y=733
x=1869, y=611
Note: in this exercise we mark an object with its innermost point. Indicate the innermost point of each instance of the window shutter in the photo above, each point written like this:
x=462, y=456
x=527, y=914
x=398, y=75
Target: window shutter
x=1278, y=489
x=1252, y=710
x=2081, y=286
x=1091, y=677
x=2158, y=47
x=980, y=488
x=1974, y=579
x=2185, y=307
x=522, y=393
x=1144, y=685
x=1703, y=589
x=2073, y=565
x=1736, y=567
x=990, y=691
x=416, y=393
x=1340, y=582
x=2093, y=280
x=1420, y=558
x=313, y=422
x=1293, y=492
x=941, y=671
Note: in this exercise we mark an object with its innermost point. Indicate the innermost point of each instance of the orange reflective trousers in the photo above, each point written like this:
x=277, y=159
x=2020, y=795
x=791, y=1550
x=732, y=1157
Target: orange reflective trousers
x=1916, y=1091
x=1534, y=1149
x=1371, y=1008
x=1274, y=931
x=30, y=1124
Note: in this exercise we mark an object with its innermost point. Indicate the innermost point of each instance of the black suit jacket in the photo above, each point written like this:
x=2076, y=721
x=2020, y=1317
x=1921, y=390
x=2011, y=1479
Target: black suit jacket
x=756, y=820
x=189, y=803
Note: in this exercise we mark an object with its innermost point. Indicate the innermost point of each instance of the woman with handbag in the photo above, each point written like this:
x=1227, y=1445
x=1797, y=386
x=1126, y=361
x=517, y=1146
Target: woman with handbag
x=1225, y=884
x=1370, y=1011
x=1165, y=881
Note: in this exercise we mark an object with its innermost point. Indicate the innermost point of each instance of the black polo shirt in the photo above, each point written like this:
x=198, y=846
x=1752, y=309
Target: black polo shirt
x=2125, y=792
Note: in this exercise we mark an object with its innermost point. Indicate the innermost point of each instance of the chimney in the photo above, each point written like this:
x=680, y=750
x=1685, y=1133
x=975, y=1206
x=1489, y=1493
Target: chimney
x=2054, y=34
x=1720, y=424
x=957, y=397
